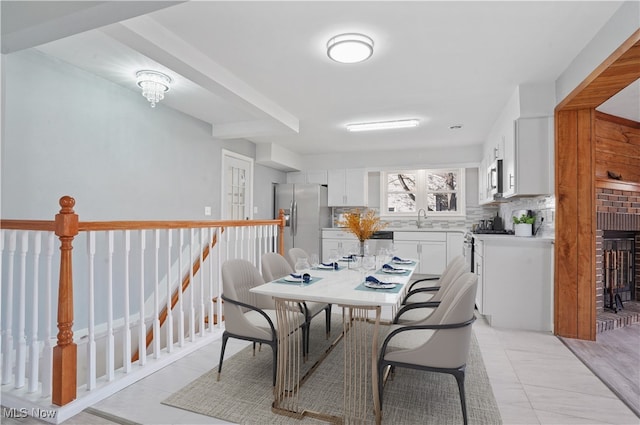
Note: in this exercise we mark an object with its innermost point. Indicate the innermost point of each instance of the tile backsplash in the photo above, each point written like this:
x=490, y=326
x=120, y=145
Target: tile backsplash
x=543, y=208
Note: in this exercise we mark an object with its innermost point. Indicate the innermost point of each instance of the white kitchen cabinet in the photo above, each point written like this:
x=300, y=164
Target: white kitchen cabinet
x=429, y=248
x=515, y=278
x=347, y=187
x=455, y=245
x=478, y=268
x=340, y=240
x=526, y=164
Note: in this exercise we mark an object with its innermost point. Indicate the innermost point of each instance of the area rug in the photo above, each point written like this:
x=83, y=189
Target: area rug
x=244, y=393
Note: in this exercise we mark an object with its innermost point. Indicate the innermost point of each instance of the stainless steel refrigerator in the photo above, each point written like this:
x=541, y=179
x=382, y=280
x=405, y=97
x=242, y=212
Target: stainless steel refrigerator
x=307, y=212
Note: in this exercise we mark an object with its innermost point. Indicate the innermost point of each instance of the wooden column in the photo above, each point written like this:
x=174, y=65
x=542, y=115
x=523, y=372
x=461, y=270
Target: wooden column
x=65, y=352
x=575, y=216
x=281, y=232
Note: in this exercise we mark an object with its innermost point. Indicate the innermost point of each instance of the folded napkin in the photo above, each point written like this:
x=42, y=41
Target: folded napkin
x=390, y=267
x=374, y=280
x=306, y=278
x=334, y=265
x=398, y=259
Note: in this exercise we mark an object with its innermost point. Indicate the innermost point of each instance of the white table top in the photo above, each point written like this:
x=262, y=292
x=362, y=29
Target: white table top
x=338, y=287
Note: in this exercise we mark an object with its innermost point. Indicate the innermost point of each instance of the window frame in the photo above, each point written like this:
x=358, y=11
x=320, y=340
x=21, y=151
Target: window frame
x=422, y=191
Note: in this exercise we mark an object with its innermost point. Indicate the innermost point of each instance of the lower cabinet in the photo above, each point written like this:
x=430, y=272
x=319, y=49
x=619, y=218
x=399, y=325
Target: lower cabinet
x=430, y=248
x=515, y=282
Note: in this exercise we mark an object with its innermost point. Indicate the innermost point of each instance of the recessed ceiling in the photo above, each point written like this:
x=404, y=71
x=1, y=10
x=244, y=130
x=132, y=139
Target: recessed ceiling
x=259, y=70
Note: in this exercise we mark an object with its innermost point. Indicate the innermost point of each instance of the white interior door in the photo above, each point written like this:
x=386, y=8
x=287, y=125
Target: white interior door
x=237, y=186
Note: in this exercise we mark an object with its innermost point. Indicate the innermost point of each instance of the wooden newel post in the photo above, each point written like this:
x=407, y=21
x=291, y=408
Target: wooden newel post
x=65, y=352
x=281, y=231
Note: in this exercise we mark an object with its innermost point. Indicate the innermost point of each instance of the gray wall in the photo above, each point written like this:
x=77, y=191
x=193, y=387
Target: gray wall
x=68, y=132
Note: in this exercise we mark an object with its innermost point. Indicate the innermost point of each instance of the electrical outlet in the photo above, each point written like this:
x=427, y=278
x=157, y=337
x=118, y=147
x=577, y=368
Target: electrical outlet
x=207, y=210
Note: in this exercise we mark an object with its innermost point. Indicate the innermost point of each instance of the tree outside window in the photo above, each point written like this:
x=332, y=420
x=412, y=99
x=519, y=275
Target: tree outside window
x=439, y=192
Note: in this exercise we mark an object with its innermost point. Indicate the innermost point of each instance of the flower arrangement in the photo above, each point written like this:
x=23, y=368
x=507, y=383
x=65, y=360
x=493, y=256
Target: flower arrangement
x=362, y=224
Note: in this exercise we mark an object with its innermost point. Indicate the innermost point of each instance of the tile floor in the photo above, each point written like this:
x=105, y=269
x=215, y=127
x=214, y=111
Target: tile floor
x=535, y=379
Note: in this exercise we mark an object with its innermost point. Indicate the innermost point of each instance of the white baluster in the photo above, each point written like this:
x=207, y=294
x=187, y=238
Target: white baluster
x=142, y=328
x=212, y=234
x=169, y=321
x=180, y=301
x=47, y=352
x=111, y=346
x=156, y=301
x=34, y=344
x=126, y=334
x=21, y=349
x=7, y=344
x=192, y=311
x=201, y=285
x=91, y=343
x=2, y=232
x=219, y=276
x=235, y=245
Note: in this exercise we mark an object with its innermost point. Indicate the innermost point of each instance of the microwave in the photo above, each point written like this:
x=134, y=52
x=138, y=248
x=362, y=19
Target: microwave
x=494, y=178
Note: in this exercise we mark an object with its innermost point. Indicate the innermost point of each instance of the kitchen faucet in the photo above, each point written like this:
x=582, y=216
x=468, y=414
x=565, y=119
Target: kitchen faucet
x=421, y=213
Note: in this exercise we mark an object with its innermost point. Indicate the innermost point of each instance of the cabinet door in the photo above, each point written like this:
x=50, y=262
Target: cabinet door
x=356, y=190
x=455, y=242
x=296, y=177
x=433, y=257
x=478, y=269
x=509, y=162
x=327, y=246
x=336, y=182
x=317, y=176
x=407, y=250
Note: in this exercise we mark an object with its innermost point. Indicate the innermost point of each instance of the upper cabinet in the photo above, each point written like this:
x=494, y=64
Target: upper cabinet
x=522, y=137
x=347, y=187
x=527, y=163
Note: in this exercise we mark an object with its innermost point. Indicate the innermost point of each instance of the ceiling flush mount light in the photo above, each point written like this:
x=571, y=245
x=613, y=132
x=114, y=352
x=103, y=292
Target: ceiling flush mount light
x=350, y=48
x=383, y=125
x=154, y=84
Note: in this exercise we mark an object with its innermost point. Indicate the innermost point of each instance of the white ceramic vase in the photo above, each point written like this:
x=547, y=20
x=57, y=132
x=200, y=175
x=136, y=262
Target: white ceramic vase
x=523, y=229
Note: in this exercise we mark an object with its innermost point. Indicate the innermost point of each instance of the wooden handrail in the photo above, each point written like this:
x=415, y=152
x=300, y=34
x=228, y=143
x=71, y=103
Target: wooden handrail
x=66, y=226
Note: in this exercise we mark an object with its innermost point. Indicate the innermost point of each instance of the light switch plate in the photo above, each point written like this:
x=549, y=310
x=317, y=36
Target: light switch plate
x=207, y=210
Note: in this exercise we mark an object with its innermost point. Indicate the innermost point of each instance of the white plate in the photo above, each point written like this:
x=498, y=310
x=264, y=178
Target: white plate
x=397, y=271
x=322, y=266
x=374, y=285
x=402, y=261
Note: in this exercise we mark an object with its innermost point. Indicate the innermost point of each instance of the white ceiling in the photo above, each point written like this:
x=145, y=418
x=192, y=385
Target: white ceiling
x=259, y=70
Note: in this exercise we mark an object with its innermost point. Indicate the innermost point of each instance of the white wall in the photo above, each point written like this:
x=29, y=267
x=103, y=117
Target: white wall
x=68, y=132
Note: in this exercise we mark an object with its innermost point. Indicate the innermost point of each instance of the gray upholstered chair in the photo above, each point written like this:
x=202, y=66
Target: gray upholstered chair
x=294, y=254
x=439, y=343
x=421, y=302
x=424, y=289
x=275, y=266
x=247, y=316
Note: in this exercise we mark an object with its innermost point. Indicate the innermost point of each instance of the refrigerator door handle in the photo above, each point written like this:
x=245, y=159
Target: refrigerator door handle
x=294, y=214
x=291, y=218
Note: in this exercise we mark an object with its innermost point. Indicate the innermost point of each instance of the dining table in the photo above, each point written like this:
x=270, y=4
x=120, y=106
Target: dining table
x=361, y=294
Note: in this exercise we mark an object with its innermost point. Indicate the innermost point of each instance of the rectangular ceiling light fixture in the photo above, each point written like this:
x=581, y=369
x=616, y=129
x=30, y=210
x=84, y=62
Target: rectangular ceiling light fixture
x=383, y=125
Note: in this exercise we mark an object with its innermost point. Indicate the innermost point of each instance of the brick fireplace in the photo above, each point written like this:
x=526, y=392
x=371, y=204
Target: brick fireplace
x=617, y=231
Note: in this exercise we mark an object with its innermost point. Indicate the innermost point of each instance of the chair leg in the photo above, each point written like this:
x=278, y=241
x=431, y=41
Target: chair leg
x=306, y=328
x=225, y=337
x=381, y=368
x=328, y=320
x=459, y=375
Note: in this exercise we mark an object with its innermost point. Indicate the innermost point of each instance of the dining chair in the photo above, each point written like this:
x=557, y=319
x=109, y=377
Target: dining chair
x=247, y=316
x=423, y=290
x=424, y=301
x=440, y=343
x=275, y=266
x=295, y=253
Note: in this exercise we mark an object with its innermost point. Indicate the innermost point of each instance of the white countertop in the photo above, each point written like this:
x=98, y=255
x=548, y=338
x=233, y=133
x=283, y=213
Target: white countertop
x=512, y=239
